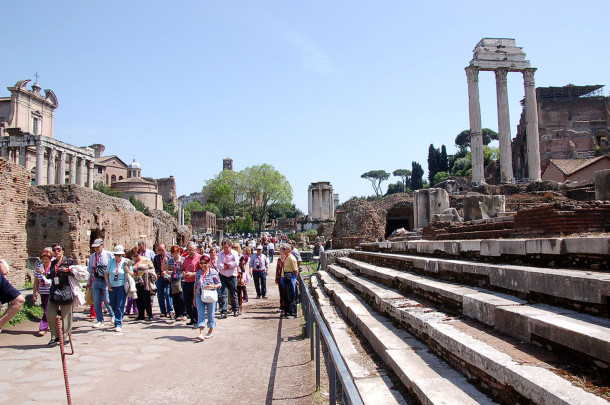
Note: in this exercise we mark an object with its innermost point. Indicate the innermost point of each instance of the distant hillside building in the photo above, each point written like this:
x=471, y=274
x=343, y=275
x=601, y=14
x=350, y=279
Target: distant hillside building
x=573, y=122
x=561, y=170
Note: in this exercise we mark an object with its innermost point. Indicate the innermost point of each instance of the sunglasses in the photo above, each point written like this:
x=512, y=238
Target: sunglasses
x=57, y=249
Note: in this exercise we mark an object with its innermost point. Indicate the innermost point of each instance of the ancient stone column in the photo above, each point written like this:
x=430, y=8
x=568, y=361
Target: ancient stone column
x=80, y=173
x=23, y=157
x=91, y=165
x=51, y=169
x=531, y=127
x=320, y=202
x=506, y=156
x=476, y=132
x=40, y=165
x=72, y=172
x=61, y=168
x=331, y=202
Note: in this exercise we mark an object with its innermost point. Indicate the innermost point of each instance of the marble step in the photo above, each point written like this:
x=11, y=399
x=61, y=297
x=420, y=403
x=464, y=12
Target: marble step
x=429, y=379
x=581, y=333
x=502, y=373
x=575, y=288
x=372, y=387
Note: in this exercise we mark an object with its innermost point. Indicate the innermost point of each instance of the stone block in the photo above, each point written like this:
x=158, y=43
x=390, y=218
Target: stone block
x=483, y=206
x=425, y=247
x=547, y=246
x=427, y=203
x=595, y=245
x=490, y=247
x=511, y=247
x=412, y=246
x=468, y=246
x=483, y=306
x=602, y=185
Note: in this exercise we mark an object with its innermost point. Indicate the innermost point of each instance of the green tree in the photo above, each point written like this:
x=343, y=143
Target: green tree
x=264, y=187
x=213, y=208
x=376, y=177
x=444, y=164
x=394, y=188
x=244, y=224
x=284, y=211
x=462, y=140
x=103, y=188
x=139, y=205
x=170, y=208
x=417, y=174
x=438, y=177
x=194, y=206
x=226, y=191
x=404, y=175
x=434, y=162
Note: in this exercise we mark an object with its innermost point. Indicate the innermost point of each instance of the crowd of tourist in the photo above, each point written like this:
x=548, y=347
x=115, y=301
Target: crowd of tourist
x=198, y=284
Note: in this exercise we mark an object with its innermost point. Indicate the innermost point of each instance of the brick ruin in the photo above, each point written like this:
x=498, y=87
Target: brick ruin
x=35, y=217
x=14, y=183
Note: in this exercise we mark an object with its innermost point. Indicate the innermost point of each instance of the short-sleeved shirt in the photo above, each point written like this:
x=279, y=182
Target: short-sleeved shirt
x=210, y=278
x=7, y=291
x=295, y=252
x=290, y=266
x=44, y=284
x=191, y=266
x=118, y=270
x=97, y=260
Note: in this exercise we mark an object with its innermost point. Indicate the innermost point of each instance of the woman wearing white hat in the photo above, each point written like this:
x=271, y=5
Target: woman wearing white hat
x=115, y=279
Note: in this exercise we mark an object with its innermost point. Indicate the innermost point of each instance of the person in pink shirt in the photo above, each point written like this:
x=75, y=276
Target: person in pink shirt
x=189, y=270
x=227, y=265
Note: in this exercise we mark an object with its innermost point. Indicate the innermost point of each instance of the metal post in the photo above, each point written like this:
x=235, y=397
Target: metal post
x=318, y=357
x=311, y=337
x=332, y=382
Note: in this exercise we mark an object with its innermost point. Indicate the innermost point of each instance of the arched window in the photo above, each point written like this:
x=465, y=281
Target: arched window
x=113, y=178
x=120, y=177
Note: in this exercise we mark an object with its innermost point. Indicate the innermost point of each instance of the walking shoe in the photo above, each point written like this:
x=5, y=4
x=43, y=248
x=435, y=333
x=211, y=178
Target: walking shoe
x=53, y=341
x=222, y=316
x=200, y=338
x=236, y=314
x=98, y=325
x=258, y=296
x=191, y=322
x=117, y=329
x=42, y=332
x=208, y=335
x=264, y=296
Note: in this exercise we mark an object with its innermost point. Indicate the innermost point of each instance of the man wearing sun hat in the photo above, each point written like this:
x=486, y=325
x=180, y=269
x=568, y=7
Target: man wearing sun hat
x=98, y=263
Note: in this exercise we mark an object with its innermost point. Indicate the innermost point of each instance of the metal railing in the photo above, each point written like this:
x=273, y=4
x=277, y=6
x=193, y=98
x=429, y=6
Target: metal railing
x=314, y=325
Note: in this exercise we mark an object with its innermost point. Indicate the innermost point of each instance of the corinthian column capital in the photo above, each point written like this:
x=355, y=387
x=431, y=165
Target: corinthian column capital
x=501, y=75
x=472, y=73
x=528, y=77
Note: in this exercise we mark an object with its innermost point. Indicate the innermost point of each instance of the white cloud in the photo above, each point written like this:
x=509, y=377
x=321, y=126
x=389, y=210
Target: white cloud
x=309, y=52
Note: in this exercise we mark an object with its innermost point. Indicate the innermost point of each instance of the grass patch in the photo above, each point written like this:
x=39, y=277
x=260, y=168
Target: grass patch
x=28, y=312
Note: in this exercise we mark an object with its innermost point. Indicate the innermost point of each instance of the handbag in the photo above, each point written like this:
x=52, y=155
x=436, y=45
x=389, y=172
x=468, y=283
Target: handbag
x=209, y=296
x=61, y=295
x=176, y=286
x=88, y=297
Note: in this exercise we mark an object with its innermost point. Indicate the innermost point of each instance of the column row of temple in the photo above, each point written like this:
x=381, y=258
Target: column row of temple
x=80, y=170
x=52, y=170
x=476, y=134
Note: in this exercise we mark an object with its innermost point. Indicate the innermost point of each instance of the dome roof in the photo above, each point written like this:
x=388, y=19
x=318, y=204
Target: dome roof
x=134, y=165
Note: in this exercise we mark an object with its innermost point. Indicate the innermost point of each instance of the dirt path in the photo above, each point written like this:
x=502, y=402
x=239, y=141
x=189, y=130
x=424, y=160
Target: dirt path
x=257, y=358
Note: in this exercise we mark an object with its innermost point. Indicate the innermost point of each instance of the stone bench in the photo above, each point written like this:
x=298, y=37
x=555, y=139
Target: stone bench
x=564, y=328
x=495, y=371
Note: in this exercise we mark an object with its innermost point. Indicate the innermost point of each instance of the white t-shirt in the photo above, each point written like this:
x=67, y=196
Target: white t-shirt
x=270, y=246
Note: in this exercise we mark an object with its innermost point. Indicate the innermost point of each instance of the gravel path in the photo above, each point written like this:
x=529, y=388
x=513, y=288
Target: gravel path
x=257, y=358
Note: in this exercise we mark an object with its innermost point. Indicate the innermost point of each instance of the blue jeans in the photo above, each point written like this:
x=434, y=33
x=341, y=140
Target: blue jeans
x=202, y=308
x=163, y=296
x=260, y=283
x=97, y=288
x=270, y=255
x=118, y=296
x=228, y=286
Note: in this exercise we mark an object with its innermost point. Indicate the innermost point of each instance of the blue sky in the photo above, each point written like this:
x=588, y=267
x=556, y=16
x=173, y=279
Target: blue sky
x=323, y=91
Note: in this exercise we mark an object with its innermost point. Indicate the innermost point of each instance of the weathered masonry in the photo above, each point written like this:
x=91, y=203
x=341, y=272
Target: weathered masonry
x=501, y=56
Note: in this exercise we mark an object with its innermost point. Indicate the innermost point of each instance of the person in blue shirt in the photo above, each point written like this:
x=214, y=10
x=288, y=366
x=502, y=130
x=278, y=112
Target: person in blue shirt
x=115, y=280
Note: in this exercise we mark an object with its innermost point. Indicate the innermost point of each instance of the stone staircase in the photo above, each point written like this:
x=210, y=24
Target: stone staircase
x=456, y=330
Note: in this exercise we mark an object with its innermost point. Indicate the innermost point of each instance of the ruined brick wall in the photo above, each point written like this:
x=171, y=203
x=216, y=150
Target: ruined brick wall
x=563, y=219
x=167, y=189
x=14, y=184
x=166, y=229
x=355, y=223
x=75, y=216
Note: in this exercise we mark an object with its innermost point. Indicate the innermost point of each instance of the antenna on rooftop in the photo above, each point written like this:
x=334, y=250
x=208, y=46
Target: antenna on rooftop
x=36, y=76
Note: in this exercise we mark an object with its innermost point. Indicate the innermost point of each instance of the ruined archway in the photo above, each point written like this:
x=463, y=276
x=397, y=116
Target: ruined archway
x=400, y=215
